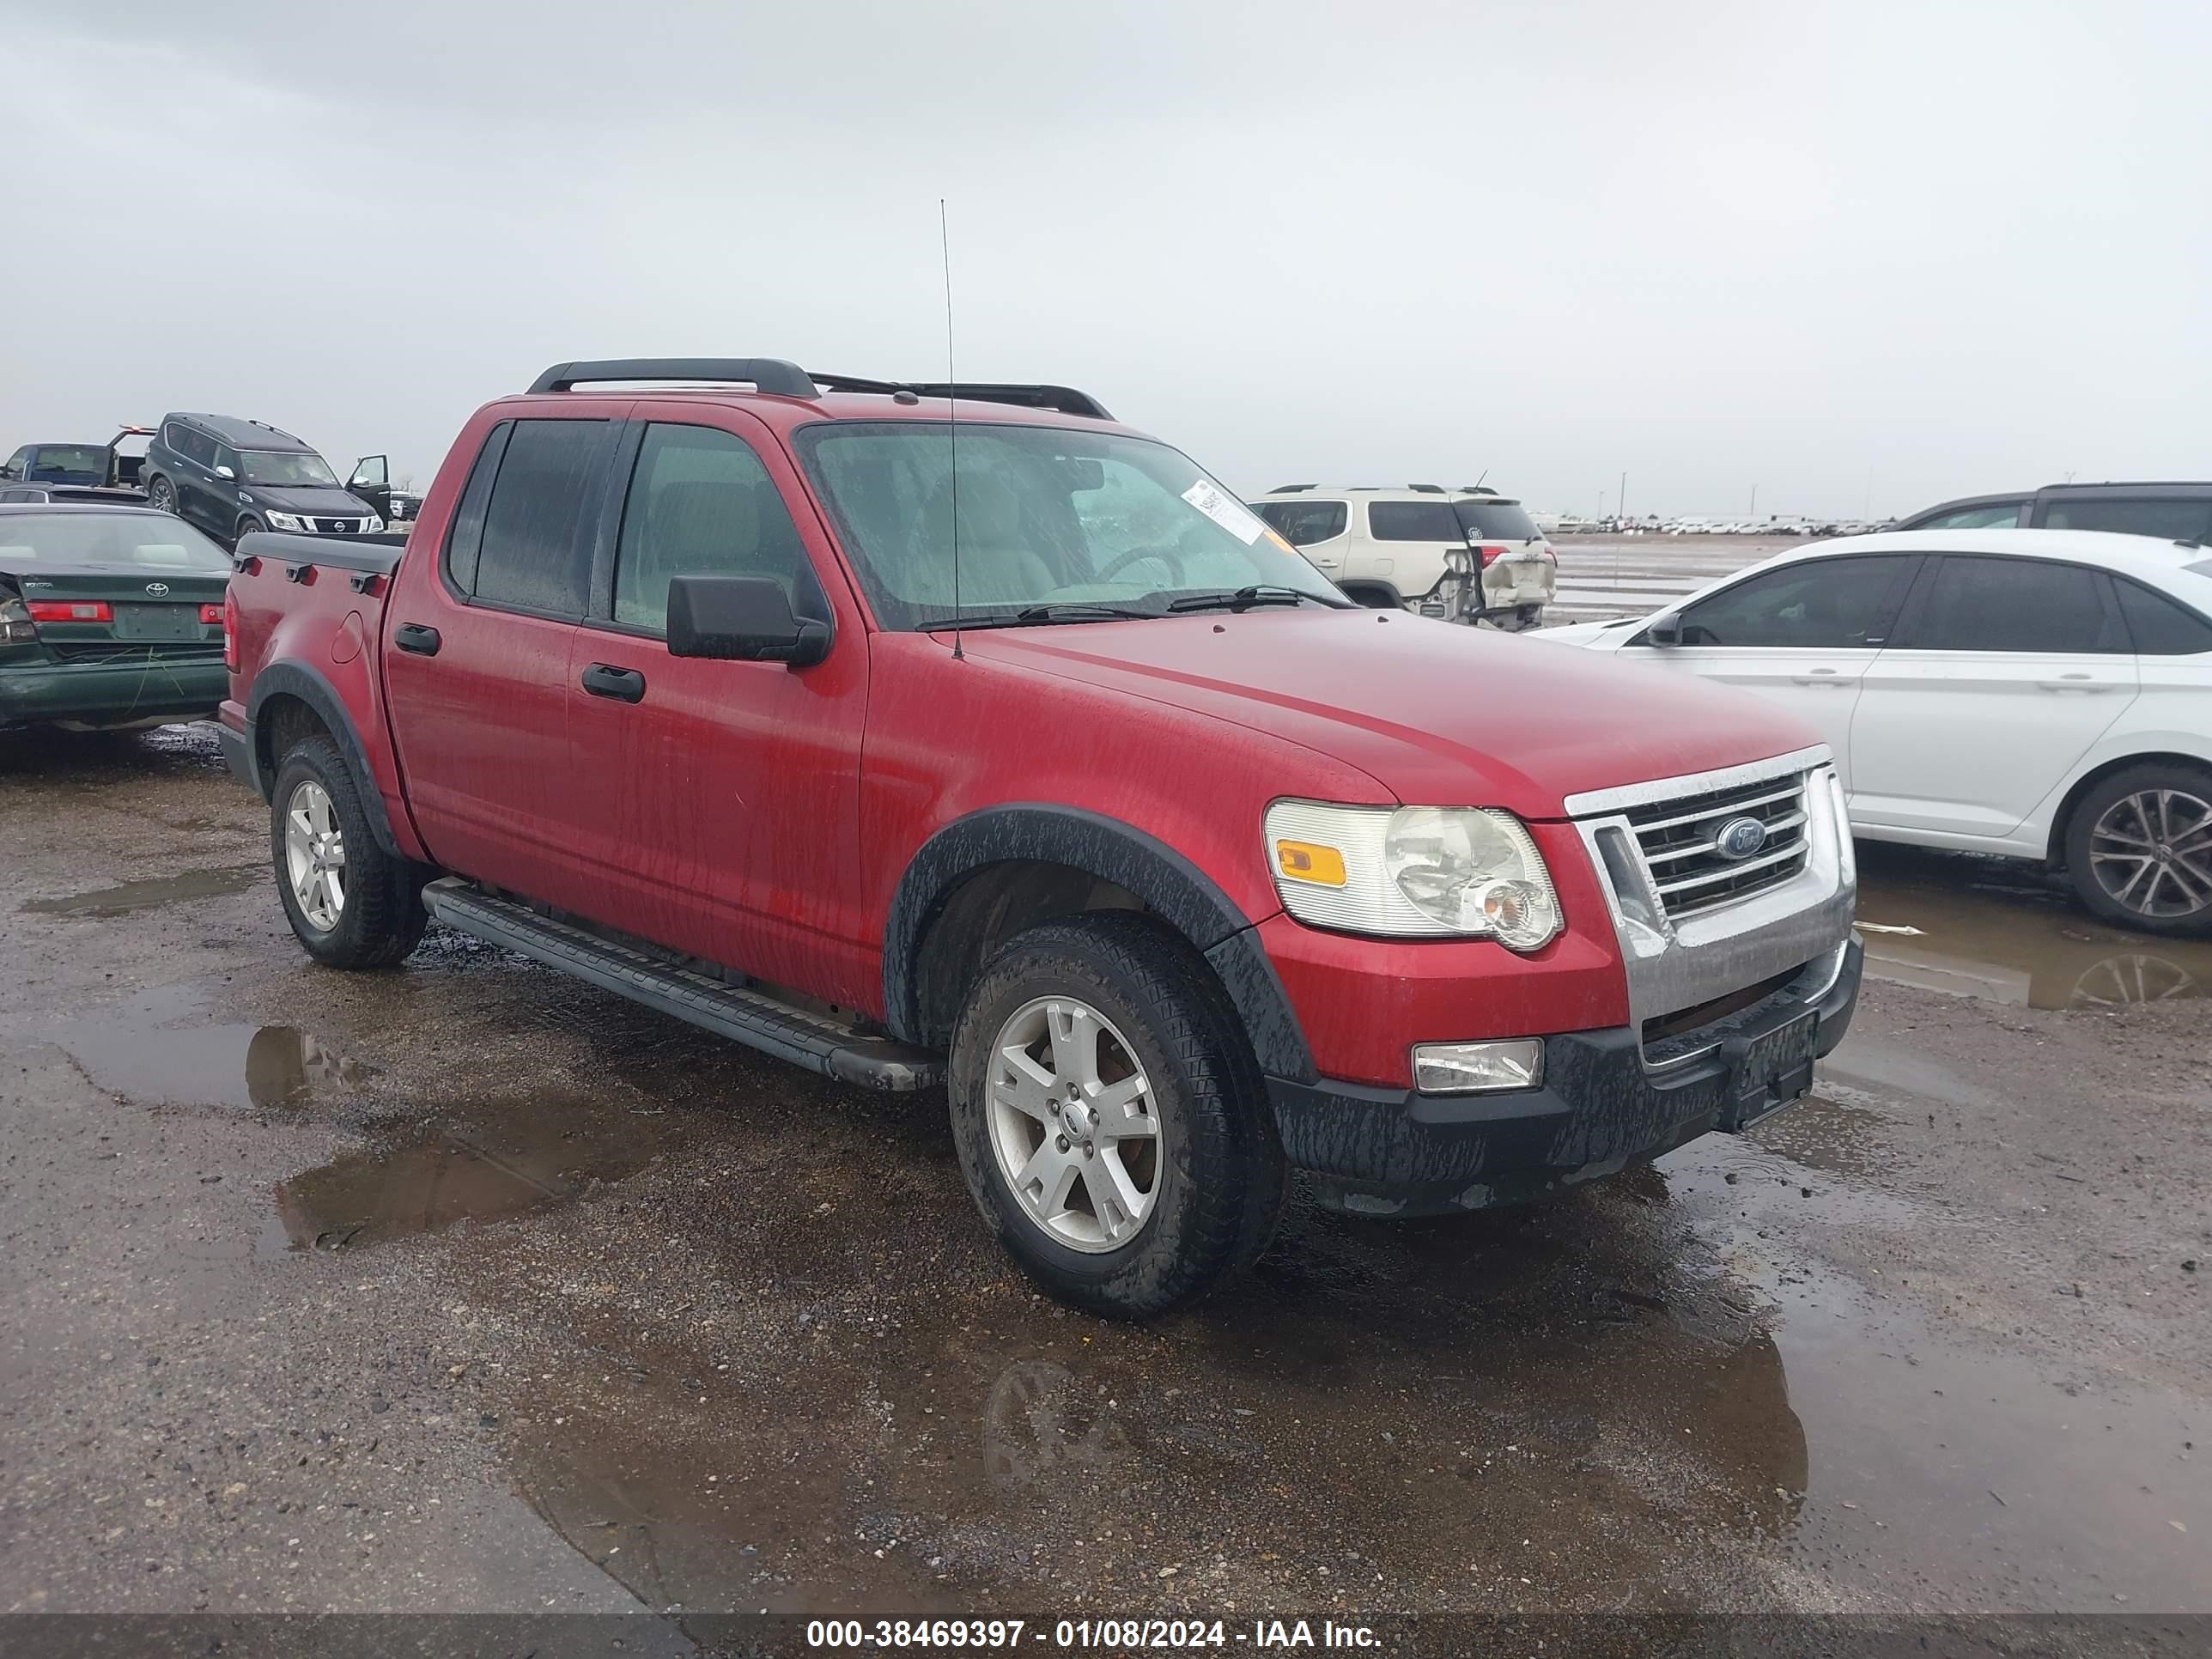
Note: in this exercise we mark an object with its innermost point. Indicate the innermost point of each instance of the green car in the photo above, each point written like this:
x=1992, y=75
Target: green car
x=111, y=617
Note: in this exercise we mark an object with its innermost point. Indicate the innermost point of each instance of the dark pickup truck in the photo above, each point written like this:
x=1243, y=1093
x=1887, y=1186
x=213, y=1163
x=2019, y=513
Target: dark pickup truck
x=41, y=474
x=926, y=736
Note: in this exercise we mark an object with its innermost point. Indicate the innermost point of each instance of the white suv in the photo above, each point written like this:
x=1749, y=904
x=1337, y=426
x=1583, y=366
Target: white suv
x=1418, y=549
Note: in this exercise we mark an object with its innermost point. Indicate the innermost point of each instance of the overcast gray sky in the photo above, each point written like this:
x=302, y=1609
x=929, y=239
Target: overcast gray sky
x=1834, y=250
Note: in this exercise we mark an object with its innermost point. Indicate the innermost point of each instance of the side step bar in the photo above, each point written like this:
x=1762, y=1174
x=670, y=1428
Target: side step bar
x=817, y=1042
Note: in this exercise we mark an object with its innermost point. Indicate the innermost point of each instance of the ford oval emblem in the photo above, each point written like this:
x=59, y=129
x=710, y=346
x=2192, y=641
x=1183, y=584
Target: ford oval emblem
x=1740, y=838
x=157, y=589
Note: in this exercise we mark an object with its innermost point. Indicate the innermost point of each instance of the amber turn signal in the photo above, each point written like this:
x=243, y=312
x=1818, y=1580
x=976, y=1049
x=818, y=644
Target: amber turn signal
x=1304, y=861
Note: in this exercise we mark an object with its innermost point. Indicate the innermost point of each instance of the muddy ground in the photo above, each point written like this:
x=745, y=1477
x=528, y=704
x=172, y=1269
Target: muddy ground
x=465, y=1287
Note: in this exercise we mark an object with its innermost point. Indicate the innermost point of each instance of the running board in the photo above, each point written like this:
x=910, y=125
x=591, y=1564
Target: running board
x=817, y=1042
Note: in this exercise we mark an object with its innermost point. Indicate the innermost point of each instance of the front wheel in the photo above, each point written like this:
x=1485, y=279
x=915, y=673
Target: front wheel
x=2139, y=849
x=352, y=904
x=247, y=525
x=1110, y=1118
x=161, y=496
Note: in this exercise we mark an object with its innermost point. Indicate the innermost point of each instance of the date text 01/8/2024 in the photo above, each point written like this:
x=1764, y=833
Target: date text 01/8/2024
x=1101, y=1634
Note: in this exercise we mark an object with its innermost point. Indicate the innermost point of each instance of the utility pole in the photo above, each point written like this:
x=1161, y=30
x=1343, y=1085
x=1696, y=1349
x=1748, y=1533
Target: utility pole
x=1754, y=503
x=1620, y=501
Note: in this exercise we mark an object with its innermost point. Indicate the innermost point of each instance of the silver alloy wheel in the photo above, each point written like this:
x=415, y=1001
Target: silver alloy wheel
x=314, y=855
x=162, y=497
x=1074, y=1124
x=2152, y=852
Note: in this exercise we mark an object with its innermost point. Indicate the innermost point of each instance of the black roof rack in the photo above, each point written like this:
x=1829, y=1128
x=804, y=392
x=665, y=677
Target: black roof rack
x=780, y=379
x=770, y=374
x=1065, y=399
x=1428, y=489
x=1284, y=489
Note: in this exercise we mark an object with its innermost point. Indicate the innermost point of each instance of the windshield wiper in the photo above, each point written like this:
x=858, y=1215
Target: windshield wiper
x=1068, y=611
x=1240, y=599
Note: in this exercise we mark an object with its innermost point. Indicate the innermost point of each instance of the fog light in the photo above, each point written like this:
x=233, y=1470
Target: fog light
x=1477, y=1068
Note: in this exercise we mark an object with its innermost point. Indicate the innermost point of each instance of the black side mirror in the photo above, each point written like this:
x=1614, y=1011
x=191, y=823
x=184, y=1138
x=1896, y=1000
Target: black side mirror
x=741, y=619
x=1665, y=630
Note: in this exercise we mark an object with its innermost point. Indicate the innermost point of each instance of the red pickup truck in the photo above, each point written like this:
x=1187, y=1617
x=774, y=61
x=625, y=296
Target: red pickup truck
x=961, y=735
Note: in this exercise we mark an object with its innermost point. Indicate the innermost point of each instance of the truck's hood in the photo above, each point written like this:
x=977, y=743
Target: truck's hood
x=1437, y=715
x=318, y=500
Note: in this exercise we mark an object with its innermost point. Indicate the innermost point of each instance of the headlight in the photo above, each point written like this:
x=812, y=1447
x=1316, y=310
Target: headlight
x=1417, y=872
x=371, y=524
x=285, y=520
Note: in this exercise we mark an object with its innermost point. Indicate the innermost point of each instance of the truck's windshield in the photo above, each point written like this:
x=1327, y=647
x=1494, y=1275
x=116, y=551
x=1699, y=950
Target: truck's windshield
x=67, y=464
x=1048, y=516
x=276, y=467
x=28, y=540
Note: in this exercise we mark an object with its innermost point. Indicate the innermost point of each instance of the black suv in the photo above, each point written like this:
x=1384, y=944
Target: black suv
x=229, y=476
x=2171, y=512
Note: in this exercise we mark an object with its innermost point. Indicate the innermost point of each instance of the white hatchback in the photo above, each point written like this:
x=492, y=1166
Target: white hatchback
x=2039, y=694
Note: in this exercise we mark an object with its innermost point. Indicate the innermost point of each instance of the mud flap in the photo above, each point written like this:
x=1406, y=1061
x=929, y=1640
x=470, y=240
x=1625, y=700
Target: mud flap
x=1769, y=1071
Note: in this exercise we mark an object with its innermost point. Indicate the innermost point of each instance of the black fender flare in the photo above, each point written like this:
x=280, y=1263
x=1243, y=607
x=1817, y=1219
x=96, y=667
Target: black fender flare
x=296, y=679
x=1171, y=885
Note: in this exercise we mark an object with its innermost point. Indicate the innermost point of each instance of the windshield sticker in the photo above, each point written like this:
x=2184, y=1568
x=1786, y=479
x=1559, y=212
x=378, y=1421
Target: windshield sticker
x=1224, y=510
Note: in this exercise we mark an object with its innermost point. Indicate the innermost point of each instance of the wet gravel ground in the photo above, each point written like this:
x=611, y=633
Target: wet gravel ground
x=467, y=1288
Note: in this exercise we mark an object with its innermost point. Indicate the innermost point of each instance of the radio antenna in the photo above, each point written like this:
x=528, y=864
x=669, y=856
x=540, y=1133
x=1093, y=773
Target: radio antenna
x=951, y=423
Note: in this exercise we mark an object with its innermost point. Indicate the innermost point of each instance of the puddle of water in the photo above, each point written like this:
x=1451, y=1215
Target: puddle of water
x=1988, y=930
x=1934, y=1461
x=253, y=1068
x=128, y=897
x=480, y=1163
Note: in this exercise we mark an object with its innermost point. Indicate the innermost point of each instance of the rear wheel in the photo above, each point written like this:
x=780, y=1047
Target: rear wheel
x=352, y=904
x=2139, y=849
x=1109, y=1116
x=161, y=494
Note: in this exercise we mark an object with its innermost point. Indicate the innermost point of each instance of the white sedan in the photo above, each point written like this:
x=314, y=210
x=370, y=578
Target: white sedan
x=2039, y=694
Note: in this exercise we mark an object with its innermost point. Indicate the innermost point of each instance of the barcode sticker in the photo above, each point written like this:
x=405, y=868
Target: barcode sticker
x=1231, y=515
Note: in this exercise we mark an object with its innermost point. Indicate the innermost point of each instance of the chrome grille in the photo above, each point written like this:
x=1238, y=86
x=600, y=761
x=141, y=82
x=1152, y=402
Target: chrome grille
x=1679, y=840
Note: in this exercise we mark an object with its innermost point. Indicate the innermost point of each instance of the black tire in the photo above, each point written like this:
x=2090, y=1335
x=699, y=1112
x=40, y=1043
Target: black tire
x=1218, y=1178
x=247, y=525
x=381, y=917
x=2193, y=784
x=161, y=496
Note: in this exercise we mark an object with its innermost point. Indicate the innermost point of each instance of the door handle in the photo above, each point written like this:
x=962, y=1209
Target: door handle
x=2073, y=683
x=422, y=641
x=1818, y=677
x=623, y=684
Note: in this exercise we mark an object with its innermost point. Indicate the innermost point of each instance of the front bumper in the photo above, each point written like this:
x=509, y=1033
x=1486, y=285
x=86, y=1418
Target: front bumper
x=112, y=694
x=1603, y=1107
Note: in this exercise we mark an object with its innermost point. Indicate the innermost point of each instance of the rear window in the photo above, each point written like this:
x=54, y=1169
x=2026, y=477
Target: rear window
x=2160, y=626
x=67, y=464
x=151, y=541
x=533, y=554
x=1498, y=521
x=2174, y=521
x=1304, y=523
x=1414, y=521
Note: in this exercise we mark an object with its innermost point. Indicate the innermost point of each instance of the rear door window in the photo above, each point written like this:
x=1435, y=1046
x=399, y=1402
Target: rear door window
x=1413, y=521
x=701, y=504
x=535, y=553
x=1498, y=521
x=1304, y=523
x=2159, y=626
x=2174, y=521
x=1822, y=605
x=1969, y=603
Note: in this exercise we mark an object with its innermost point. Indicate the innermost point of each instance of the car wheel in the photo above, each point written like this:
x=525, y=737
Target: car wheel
x=2139, y=849
x=352, y=904
x=247, y=525
x=1110, y=1117
x=161, y=496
